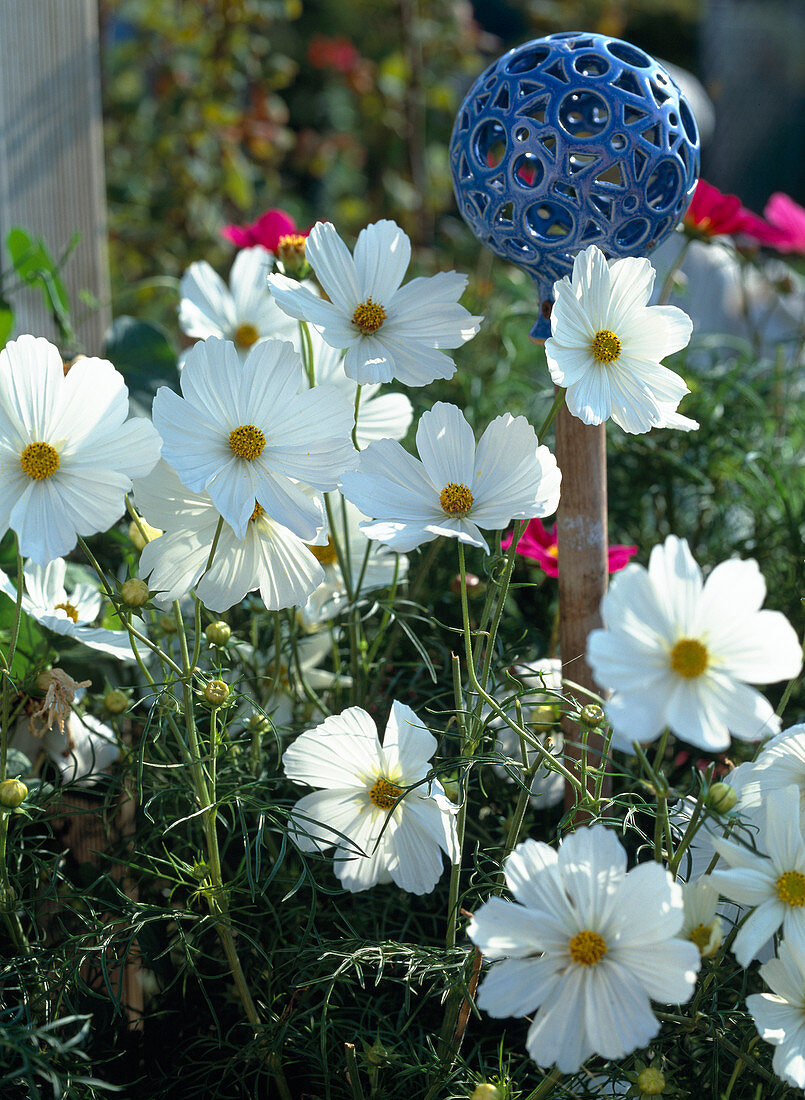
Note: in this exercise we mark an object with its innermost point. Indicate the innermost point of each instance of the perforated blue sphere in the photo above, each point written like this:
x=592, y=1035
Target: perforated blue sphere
x=572, y=140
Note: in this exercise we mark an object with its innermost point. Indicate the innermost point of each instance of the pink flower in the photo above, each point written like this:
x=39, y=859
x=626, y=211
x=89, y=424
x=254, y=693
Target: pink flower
x=267, y=231
x=784, y=228
x=540, y=546
x=713, y=214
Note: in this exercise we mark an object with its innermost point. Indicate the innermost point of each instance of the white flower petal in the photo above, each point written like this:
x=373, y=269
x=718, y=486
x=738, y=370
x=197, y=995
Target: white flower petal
x=335, y=269
x=206, y=307
x=382, y=256
x=516, y=987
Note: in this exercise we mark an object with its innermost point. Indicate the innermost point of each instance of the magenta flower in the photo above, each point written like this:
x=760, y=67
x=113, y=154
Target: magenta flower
x=267, y=231
x=540, y=546
x=784, y=228
x=713, y=214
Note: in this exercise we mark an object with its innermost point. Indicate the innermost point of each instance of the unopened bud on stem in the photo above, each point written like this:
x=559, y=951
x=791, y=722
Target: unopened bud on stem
x=13, y=793
x=216, y=693
x=218, y=633
x=722, y=798
x=134, y=592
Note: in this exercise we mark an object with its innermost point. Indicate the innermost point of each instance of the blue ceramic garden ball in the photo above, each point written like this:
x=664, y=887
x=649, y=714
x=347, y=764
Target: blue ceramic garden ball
x=572, y=140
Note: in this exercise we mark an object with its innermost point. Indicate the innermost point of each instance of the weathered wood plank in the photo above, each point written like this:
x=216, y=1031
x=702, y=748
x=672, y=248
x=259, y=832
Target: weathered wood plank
x=51, y=151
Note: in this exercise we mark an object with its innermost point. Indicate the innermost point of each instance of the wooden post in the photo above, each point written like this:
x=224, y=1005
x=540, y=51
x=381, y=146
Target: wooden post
x=582, y=541
x=51, y=153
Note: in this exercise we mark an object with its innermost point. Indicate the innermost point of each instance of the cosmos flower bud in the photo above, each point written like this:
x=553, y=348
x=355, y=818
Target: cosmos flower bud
x=258, y=724
x=115, y=701
x=218, y=633
x=13, y=793
x=134, y=592
x=722, y=798
x=216, y=693
x=291, y=254
x=543, y=717
x=651, y=1081
x=136, y=535
x=591, y=715
x=486, y=1091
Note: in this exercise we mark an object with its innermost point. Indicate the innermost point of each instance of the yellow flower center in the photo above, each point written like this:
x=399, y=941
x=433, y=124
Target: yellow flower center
x=246, y=335
x=368, y=316
x=700, y=935
x=606, y=347
x=689, y=658
x=291, y=246
x=552, y=551
x=39, y=460
x=325, y=554
x=791, y=889
x=70, y=611
x=455, y=500
x=259, y=510
x=384, y=794
x=587, y=948
x=247, y=442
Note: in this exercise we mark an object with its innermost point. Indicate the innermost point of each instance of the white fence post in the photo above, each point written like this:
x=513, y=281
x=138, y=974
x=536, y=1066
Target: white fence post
x=51, y=153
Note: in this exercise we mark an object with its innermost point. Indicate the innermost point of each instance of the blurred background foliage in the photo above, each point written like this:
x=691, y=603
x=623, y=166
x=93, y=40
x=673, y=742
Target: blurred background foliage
x=216, y=110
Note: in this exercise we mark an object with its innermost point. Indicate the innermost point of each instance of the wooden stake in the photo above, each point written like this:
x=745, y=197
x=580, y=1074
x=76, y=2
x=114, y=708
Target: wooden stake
x=582, y=542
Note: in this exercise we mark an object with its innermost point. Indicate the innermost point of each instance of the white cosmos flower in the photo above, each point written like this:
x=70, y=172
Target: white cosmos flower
x=268, y=557
x=380, y=415
x=388, y=823
x=67, y=453
x=46, y=599
x=702, y=925
x=586, y=946
x=679, y=651
x=771, y=879
x=243, y=312
x=254, y=431
x=607, y=344
x=457, y=487
x=368, y=565
x=389, y=330
x=780, y=1015
x=780, y=764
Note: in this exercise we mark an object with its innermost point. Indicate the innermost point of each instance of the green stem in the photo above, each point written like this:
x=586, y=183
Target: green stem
x=132, y=631
x=386, y=619
x=5, y=734
x=198, y=604
x=511, y=555
x=546, y=757
x=355, y=425
x=424, y=574
x=789, y=687
x=205, y=796
x=7, y=900
x=307, y=353
x=668, y=285
x=529, y=771
x=353, y=1074
x=687, y=836
x=545, y=1087
x=558, y=402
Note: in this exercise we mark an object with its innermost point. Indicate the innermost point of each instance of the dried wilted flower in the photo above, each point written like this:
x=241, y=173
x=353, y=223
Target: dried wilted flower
x=60, y=691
